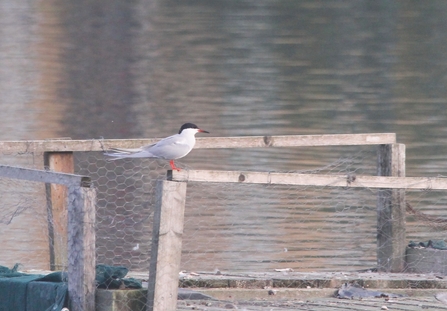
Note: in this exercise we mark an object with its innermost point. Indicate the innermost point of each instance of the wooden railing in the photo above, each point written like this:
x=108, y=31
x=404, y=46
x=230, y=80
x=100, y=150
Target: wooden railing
x=68, y=145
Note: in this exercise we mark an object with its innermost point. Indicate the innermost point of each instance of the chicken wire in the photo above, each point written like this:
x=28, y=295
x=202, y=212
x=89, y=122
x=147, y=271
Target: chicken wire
x=227, y=223
x=23, y=217
x=246, y=227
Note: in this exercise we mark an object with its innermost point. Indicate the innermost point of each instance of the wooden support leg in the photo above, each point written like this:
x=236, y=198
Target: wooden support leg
x=81, y=246
x=57, y=208
x=391, y=211
x=166, y=246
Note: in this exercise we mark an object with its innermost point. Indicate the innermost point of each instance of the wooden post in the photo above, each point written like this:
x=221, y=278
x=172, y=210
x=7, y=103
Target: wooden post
x=166, y=246
x=391, y=211
x=57, y=208
x=81, y=247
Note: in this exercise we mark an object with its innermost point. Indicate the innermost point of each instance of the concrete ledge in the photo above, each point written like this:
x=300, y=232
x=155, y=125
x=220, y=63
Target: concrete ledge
x=296, y=286
x=115, y=300
x=426, y=260
x=232, y=294
x=135, y=299
x=313, y=280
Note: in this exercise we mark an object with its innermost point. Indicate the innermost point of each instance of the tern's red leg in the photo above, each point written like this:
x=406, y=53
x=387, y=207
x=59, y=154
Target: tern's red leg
x=173, y=166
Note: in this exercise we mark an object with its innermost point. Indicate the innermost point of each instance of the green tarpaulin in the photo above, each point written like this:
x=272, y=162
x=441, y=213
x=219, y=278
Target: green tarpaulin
x=33, y=292
x=27, y=292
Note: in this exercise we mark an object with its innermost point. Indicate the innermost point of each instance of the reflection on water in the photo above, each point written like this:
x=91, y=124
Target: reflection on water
x=278, y=227
x=119, y=69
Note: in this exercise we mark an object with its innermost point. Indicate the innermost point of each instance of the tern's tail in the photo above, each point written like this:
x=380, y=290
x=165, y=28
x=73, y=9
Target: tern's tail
x=119, y=153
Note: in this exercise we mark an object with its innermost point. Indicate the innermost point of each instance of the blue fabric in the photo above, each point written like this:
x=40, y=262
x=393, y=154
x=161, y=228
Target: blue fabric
x=13, y=292
x=48, y=296
x=25, y=292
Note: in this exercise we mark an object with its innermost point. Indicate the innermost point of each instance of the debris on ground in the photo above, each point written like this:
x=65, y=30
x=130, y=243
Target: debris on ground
x=355, y=291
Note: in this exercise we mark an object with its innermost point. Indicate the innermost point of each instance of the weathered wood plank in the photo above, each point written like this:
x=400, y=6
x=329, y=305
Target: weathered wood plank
x=43, y=176
x=58, y=145
x=166, y=247
x=351, y=180
x=295, y=140
x=81, y=248
x=57, y=208
x=391, y=207
x=202, y=142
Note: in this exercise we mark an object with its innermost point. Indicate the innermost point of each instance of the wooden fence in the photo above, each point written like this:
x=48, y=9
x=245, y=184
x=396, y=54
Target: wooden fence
x=80, y=230
x=168, y=226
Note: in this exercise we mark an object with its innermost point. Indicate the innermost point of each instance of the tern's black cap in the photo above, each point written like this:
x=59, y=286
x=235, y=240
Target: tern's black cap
x=190, y=126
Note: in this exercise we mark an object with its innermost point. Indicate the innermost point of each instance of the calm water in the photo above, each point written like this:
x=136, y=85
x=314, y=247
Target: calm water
x=120, y=69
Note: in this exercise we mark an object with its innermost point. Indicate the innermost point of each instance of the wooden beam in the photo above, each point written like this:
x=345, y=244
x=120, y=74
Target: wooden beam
x=59, y=145
x=57, y=208
x=166, y=247
x=43, y=176
x=295, y=140
x=349, y=180
x=81, y=248
x=391, y=232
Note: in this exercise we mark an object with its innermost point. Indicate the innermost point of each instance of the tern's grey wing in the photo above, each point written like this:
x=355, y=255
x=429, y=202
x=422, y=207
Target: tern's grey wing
x=171, y=148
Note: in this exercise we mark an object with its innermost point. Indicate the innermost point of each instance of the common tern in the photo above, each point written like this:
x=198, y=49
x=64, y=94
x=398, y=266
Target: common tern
x=170, y=148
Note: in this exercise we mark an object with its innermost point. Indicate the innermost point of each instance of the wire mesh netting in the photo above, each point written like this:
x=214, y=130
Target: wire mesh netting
x=23, y=217
x=232, y=226
x=228, y=227
x=243, y=227
x=125, y=205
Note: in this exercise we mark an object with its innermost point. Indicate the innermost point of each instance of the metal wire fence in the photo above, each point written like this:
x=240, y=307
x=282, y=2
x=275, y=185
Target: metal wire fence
x=236, y=227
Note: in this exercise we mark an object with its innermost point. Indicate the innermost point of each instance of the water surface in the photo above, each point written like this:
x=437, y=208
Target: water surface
x=119, y=69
